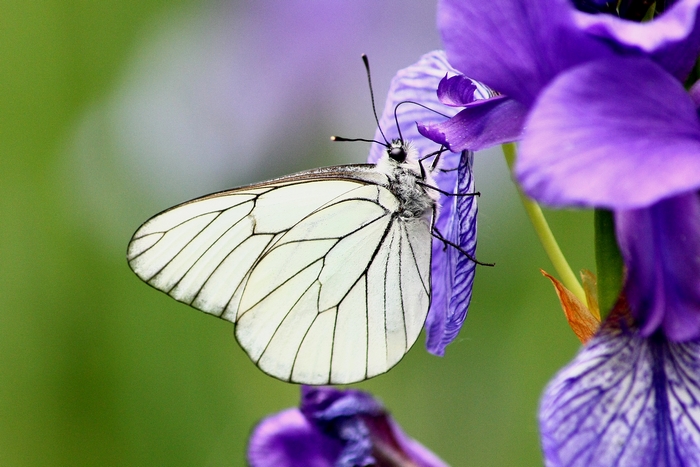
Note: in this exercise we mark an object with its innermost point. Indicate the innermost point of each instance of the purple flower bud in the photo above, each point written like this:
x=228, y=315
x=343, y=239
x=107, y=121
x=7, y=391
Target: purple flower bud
x=335, y=428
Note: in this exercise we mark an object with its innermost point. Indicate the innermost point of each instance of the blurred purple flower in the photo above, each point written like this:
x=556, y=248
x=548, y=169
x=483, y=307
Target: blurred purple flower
x=452, y=274
x=625, y=401
x=335, y=428
x=607, y=124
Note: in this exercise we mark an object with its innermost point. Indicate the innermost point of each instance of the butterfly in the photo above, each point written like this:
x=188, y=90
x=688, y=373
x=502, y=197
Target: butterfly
x=325, y=273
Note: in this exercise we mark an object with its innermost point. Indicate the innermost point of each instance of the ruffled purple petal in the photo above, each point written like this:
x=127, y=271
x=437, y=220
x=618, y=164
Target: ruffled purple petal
x=335, y=428
x=322, y=404
x=418, y=83
x=288, y=439
x=515, y=47
x=625, y=401
x=456, y=91
x=452, y=271
x=480, y=125
x=618, y=133
x=661, y=249
x=338, y=414
x=672, y=40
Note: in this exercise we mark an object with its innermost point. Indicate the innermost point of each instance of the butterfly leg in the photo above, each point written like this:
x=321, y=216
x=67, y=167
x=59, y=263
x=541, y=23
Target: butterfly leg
x=436, y=233
x=447, y=193
x=434, y=164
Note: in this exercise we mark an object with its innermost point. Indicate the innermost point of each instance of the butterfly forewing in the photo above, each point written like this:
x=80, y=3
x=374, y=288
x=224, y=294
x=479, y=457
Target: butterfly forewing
x=325, y=281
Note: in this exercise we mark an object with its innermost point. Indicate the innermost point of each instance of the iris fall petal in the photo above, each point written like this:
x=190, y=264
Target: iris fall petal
x=625, y=401
x=599, y=136
x=512, y=46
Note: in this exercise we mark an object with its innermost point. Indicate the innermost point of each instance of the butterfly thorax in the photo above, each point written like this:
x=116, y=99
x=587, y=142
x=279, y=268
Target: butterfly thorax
x=406, y=181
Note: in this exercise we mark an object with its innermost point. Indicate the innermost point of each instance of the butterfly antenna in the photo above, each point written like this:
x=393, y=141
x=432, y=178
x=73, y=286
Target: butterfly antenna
x=365, y=60
x=396, y=114
x=343, y=140
x=419, y=105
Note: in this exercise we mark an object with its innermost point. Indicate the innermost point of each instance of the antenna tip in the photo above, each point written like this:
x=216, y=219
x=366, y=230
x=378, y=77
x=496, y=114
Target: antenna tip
x=333, y=138
x=365, y=59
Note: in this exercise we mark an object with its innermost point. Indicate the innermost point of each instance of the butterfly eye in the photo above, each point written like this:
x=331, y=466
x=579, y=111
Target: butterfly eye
x=398, y=153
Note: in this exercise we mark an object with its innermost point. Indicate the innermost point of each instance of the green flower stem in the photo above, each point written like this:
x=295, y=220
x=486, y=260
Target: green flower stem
x=609, y=265
x=568, y=278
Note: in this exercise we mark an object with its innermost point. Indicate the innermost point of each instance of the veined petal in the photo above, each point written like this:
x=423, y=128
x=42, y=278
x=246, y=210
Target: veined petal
x=452, y=271
x=661, y=249
x=625, y=401
x=482, y=124
x=672, y=40
x=618, y=133
x=512, y=46
x=456, y=218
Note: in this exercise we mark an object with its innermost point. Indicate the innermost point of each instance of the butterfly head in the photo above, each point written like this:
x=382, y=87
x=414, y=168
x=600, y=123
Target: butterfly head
x=400, y=160
x=401, y=151
x=398, y=151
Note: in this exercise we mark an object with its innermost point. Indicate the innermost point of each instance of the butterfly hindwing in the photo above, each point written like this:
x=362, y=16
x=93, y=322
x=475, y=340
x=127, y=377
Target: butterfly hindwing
x=325, y=281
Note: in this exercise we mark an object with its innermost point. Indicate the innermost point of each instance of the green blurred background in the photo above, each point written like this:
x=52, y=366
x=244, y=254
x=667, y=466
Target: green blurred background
x=113, y=110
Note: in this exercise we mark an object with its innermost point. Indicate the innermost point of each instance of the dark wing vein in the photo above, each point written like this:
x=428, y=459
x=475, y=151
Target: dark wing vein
x=183, y=247
x=211, y=245
x=244, y=278
x=303, y=268
x=386, y=271
x=282, y=321
x=369, y=263
x=415, y=261
x=400, y=282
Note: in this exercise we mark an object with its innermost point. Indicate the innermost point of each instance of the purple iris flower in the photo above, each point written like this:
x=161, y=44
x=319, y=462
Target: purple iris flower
x=598, y=104
x=452, y=274
x=335, y=428
x=606, y=123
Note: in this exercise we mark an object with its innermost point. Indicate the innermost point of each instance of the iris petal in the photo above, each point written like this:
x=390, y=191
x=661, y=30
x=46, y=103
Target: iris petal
x=512, y=46
x=335, y=428
x=618, y=133
x=661, y=249
x=416, y=83
x=456, y=91
x=480, y=125
x=625, y=401
x=288, y=439
x=672, y=40
x=452, y=272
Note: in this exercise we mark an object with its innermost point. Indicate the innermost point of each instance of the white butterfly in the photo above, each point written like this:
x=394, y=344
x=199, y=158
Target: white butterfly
x=325, y=273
